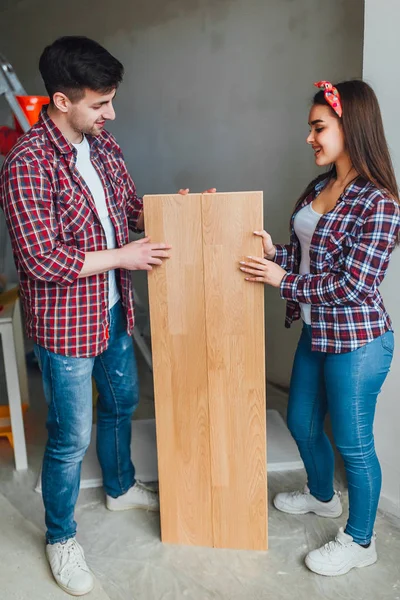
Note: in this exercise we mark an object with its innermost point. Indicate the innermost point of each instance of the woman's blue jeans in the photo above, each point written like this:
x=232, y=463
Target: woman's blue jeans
x=67, y=385
x=347, y=385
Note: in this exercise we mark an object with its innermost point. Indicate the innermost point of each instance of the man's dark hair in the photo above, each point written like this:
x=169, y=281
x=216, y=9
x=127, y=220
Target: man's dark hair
x=72, y=64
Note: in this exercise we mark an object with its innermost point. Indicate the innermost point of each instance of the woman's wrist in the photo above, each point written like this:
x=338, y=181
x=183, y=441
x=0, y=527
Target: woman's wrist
x=271, y=255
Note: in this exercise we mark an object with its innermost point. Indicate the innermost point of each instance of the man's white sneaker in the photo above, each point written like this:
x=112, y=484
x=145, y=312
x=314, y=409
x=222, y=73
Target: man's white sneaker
x=300, y=503
x=341, y=555
x=69, y=568
x=138, y=496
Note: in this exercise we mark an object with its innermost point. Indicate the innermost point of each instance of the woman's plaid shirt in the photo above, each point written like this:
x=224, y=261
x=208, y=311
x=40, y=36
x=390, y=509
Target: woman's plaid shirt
x=349, y=255
x=53, y=221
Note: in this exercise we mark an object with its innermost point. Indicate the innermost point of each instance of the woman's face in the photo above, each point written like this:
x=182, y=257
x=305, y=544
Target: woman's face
x=326, y=135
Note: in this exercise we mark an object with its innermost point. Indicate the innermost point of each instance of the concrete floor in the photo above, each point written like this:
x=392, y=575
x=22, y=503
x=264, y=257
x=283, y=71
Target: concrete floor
x=130, y=563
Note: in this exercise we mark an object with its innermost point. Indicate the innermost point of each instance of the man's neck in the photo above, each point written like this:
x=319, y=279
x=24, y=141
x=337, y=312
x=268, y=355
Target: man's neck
x=75, y=137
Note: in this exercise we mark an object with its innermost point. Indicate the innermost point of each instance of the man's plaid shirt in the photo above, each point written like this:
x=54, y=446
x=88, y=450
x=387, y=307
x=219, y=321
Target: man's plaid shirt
x=349, y=255
x=53, y=221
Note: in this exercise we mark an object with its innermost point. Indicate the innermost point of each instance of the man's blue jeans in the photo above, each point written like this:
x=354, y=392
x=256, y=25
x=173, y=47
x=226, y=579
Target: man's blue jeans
x=67, y=385
x=347, y=385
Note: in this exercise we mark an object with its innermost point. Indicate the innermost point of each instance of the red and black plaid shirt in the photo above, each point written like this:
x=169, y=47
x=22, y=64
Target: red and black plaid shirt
x=53, y=221
x=349, y=255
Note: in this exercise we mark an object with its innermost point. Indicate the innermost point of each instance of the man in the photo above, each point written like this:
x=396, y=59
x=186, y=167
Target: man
x=69, y=203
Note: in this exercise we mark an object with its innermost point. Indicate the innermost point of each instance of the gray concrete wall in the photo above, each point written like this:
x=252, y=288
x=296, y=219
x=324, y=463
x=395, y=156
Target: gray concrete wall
x=216, y=93
x=380, y=63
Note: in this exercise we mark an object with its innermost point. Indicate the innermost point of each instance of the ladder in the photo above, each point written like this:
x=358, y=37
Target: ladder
x=10, y=87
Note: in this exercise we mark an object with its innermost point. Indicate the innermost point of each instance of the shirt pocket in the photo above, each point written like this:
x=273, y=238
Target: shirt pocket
x=77, y=221
x=339, y=245
x=75, y=212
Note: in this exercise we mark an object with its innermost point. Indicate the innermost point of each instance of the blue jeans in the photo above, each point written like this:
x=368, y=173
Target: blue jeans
x=347, y=385
x=67, y=385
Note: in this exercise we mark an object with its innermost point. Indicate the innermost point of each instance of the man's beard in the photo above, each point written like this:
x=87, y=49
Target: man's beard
x=85, y=129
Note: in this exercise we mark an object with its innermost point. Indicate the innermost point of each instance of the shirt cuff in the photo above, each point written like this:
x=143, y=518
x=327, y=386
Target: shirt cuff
x=281, y=255
x=74, y=268
x=288, y=287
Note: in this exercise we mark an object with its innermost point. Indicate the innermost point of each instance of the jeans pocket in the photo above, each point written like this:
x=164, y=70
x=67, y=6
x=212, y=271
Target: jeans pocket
x=387, y=341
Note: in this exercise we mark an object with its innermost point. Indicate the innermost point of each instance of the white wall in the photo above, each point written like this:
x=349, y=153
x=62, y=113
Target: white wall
x=381, y=70
x=216, y=93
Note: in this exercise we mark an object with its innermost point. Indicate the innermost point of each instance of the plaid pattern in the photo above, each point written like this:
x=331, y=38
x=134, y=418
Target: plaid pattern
x=349, y=255
x=53, y=221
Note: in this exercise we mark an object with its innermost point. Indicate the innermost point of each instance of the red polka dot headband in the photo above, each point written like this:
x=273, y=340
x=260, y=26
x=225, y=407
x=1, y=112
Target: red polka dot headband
x=331, y=96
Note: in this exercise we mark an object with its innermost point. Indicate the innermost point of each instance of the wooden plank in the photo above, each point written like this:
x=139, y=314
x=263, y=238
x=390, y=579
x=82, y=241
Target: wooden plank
x=236, y=371
x=177, y=313
x=209, y=371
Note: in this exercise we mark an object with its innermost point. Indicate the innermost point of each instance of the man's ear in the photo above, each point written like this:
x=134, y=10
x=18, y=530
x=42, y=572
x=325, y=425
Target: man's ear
x=61, y=102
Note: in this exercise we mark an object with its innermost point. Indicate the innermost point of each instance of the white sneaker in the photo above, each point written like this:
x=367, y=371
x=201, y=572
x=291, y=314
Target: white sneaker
x=69, y=568
x=138, y=496
x=341, y=555
x=300, y=503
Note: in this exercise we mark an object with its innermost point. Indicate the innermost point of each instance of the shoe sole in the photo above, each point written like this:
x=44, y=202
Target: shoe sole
x=132, y=506
x=344, y=570
x=71, y=592
x=305, y=512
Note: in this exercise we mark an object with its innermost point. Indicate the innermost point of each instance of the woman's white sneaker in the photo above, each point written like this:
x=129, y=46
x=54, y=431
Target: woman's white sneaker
x=341, y=555
x=302, y=502
x=69, y=568
x=138, y=496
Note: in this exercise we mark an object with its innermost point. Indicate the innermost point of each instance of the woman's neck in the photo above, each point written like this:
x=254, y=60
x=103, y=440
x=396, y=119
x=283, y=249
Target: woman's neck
x=345, y=172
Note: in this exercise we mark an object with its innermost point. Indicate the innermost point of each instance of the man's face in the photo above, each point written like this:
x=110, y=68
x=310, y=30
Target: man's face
x=89, y=114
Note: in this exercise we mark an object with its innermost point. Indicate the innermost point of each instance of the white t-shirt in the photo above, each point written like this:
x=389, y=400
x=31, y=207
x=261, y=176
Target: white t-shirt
x=304, y=224
x=93, y=181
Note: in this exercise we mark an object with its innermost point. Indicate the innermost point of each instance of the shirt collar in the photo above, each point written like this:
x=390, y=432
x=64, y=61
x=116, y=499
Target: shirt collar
x=57, y=138
x=350, y=193
x=321, y=184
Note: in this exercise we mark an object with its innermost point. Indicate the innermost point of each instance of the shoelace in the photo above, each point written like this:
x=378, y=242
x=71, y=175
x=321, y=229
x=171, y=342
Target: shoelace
x=72, y=557
x=333, y=545
x=306, y=492
x=298, y=493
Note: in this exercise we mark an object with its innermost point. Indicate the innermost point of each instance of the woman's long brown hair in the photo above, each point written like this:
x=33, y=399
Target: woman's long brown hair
x=364, y=137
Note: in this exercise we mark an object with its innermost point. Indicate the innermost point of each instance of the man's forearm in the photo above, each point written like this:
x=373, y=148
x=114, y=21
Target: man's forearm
x=99, y=262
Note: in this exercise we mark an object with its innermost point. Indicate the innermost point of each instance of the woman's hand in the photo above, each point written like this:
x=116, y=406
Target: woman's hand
x=268, y=246
x=262, y=270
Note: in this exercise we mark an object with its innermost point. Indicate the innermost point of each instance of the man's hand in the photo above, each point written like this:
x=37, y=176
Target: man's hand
x=185, y=191
x=142, y=255
x=262, y=271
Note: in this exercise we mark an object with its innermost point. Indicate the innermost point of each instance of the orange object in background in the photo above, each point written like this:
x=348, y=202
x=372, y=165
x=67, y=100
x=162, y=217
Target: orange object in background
x=5, y=422
x=31, y=105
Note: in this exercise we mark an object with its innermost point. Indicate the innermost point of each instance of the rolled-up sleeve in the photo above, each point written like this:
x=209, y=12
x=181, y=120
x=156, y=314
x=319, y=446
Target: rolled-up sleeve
x=282, y=254
x=27, y=202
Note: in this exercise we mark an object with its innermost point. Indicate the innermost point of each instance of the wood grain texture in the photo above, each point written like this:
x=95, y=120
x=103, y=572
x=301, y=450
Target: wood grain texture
x=177, y=313
x=236, y=371
x=209, y=370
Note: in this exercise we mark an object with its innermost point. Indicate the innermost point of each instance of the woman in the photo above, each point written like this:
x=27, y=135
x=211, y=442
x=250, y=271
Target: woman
x=343, y=230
